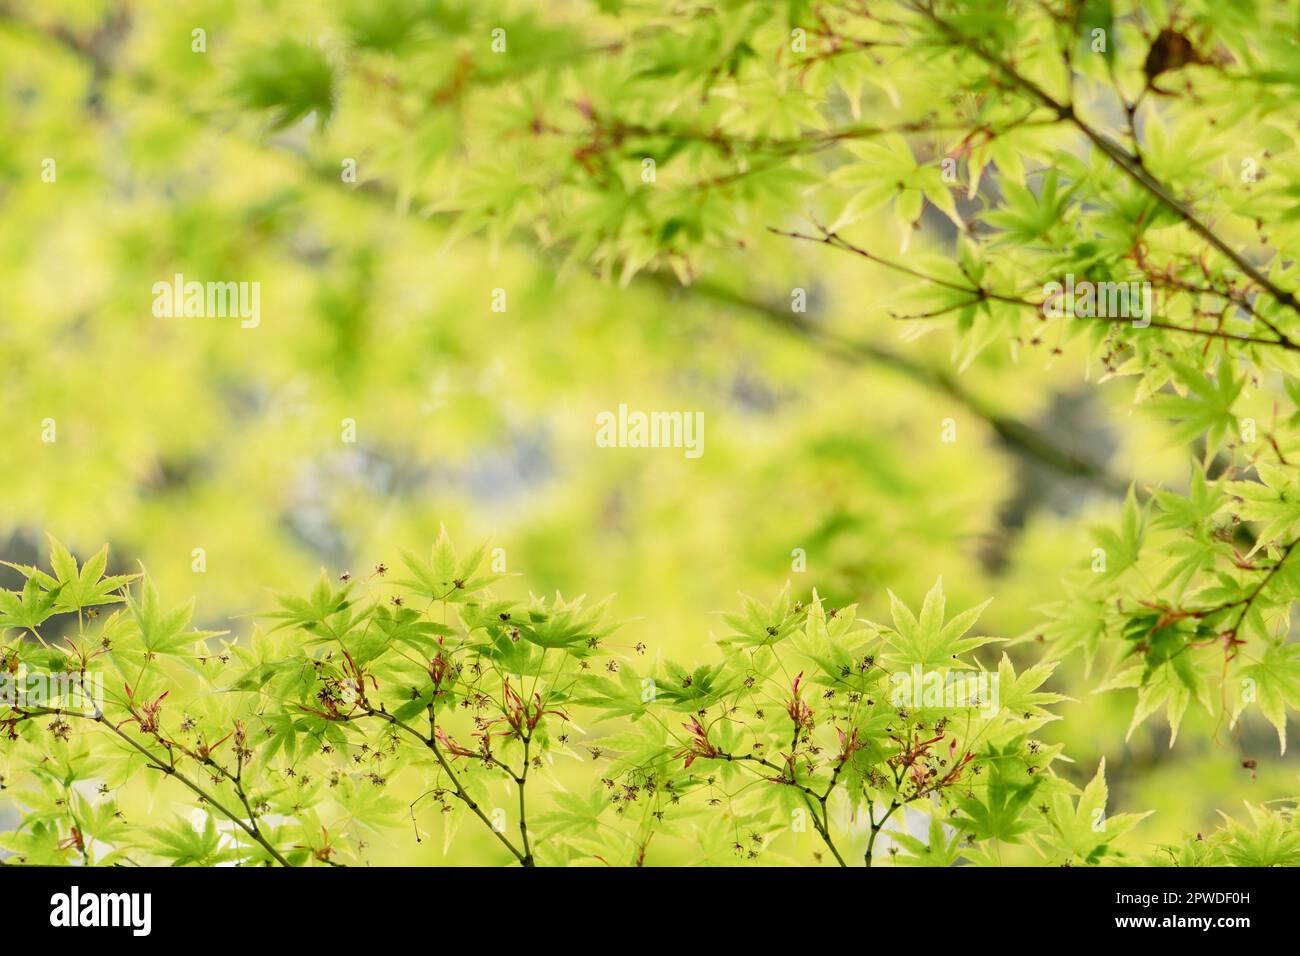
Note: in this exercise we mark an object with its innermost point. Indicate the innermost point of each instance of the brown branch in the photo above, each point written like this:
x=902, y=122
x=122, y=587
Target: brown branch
x=981, y=294
x=168, y=769
x=431, y=742
x=809, y=795
x=1015, y=435
x=1130, y=164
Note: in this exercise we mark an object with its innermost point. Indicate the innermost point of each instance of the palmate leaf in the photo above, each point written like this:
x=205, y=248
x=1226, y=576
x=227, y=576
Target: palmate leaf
x=887, y=174
x=282, y=733
x=761, y=624
x=997, y=811
x=291, y=79
x=928, y=640
x=1169, y=676
x=942, y=846
x=575, y=814
x=78, y=588
x=1274, y=501
x=642, y=746
x=445, y=576
x=183, y=844
x=1121, y=547
x=1198, y=547
x=1020, y=694
x=1079, y=622
x=391, y=25
x=1082, y=833
x=317, y=613
x=100, y=821
x=691, y=690
x=1026, y=218
x=564, y=624
x=1270, y=839
x=1274, y=685
x=162, y=631
x=273, y=666
x=1204, y=408
x=624, y=697
x=368, y=803
x=1196, y=509
x=39, y=844
x=30, y=608
x=833, y=640
x=407, y=626
x=507, y=648
x=86, y=587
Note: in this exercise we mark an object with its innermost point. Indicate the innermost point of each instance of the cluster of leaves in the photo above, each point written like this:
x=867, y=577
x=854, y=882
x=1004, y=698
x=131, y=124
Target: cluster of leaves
x=1104, y=141
x=811, y=720
x=1268, y=837
x=1189, y=606
x=1071, y=139
x=273, y=734
x=286, y=743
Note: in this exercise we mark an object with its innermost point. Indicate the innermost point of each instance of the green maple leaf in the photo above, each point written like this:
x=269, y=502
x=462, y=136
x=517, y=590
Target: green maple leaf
x=928, y=640
x=1025, y=218
x=1168, y=675
x=1122, y=546
x=78, y=588
x=404, y=625
x=1276, y=686
x=761, y=624
x=183, y=845
x=445, y=576
x=1197, y=549
x=87, y=586
x=565, y=624
x=1081, y=830
x=942, y=847
x=1204, y=499
x=641, y=745
x=100, y=822
x=315, y=613
x=1020, y=694
x=290, y=79
x=691, y=690
x=1271, y=839
x=39, y=843
x=575, y=814
x=832, y=642
x=623, y=698
x=164, y=631
x=998, y=813
x=30, y=608
x=371, y=806
x=1078, y=622
x=1205, y=408
x=1274, y=500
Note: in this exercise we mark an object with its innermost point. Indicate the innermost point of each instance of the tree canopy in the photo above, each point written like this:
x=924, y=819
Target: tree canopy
x=1002, y=293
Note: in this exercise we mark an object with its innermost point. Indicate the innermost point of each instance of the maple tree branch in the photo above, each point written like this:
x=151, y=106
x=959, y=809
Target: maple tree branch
x=168, y=769
x=462, y=794
x=1129, y=163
